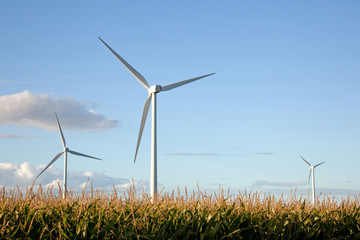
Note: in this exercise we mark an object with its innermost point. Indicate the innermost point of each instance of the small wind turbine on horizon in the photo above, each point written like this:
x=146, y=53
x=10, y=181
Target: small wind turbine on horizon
x=64, y=151
x=313, y=177
x=153, y=90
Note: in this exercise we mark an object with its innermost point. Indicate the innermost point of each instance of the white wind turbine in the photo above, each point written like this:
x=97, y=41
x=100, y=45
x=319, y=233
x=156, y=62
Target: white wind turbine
x=313, y=177
x=153, y=90
x=64, y=151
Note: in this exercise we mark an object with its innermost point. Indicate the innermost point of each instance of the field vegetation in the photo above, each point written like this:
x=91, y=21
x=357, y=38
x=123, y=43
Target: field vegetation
x=95, y=215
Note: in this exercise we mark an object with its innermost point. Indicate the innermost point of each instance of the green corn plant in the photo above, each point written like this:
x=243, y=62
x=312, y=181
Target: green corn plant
x=245, y=215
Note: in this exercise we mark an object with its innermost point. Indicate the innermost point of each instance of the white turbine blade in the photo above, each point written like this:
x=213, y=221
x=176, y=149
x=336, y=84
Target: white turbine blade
x=318, y=164
x=306, y=161
x=83, y=155
x=136, y=74
x=309, y=176
x=52, y=161
x=143, y=120
x=178, y=84
x=61, y=133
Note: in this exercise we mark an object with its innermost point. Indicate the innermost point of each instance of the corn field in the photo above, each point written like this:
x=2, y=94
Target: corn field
x=96, y=215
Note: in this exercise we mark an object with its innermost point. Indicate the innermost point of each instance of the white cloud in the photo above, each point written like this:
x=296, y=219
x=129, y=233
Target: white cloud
x=53, y=183
x=263, y=153
x=9, y=81
x=23, y=175
x=25, y=171
x=261, y=183
x=37, y=110
x=200, y=154
x=12, y=136
x=213, y=154
x=11, y=174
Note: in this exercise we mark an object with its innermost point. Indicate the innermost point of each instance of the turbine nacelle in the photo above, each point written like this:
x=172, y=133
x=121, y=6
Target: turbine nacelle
x=154, y=89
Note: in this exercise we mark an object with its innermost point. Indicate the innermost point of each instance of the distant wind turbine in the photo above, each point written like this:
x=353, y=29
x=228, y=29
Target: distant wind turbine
x=313, y=177
x=153, y=90
x=64, y=151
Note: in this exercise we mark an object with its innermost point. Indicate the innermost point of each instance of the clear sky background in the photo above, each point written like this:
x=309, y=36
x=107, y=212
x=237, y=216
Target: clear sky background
x=286, y=84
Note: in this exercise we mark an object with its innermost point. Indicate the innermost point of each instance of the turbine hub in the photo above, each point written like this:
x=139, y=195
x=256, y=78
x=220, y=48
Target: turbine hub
x=66, y=149
x=154, y=89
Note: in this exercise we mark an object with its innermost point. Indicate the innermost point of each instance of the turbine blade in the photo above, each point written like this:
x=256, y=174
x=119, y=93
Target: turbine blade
x=61, y=133
x=318, y=164
x=52, y=161
x=306, y=161
x=309, y=176
x=83, y=155
x=136, y=74
x=143, y=120
x=178, y=84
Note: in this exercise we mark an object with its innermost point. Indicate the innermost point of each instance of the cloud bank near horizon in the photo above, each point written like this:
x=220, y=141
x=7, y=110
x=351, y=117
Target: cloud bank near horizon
x=301, y=188
x=37, y=110
x=262, y=183
x=23, y=176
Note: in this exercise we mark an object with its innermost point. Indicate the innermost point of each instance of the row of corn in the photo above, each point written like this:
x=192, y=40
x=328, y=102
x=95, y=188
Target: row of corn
x=96, y=215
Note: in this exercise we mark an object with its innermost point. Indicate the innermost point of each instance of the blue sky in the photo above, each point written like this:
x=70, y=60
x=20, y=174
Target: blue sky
x=286, y=84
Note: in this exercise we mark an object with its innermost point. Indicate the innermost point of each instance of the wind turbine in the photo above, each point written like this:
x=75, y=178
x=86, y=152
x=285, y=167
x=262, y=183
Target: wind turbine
x=313, y=177
x=153, y=90
x=64, y=151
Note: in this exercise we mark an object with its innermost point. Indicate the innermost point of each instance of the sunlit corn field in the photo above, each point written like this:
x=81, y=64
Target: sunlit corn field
x=44, y=214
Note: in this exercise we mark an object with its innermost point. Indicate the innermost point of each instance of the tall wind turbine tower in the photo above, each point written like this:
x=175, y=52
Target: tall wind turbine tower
x=64, y=151
x=153, y=90
x=313, y=177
